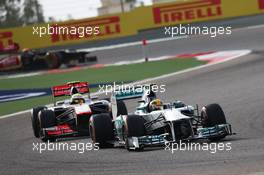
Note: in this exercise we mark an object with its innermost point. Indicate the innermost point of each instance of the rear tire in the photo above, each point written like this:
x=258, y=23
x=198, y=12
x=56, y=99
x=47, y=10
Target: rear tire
x=35, y=120
x=101, y=129
x=213, y=115
x=53, y=60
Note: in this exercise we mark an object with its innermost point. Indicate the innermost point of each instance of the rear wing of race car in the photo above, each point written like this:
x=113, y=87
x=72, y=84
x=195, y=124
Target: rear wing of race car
x=132, y=91
x=69, y=89
x=129, y=92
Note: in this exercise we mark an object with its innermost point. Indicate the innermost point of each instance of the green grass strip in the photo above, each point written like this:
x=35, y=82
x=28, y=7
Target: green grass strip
x=125, y=73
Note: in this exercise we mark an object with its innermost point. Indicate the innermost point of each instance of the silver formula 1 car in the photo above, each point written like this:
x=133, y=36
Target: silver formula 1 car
x=156, y=123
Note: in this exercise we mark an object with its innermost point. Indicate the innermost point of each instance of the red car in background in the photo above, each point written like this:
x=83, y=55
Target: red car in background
x=12, y=59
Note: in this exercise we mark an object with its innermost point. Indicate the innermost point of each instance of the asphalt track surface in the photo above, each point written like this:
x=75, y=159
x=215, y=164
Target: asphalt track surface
x=237, y=85
x=243, y=36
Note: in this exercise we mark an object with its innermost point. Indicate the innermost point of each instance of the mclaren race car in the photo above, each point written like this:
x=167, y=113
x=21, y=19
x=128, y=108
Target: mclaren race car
x=155, y=123
x=69, y=117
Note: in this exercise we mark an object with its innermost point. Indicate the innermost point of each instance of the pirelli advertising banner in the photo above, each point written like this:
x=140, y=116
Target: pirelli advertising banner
x=204, y=10
x=127, y=24
x=55, y=34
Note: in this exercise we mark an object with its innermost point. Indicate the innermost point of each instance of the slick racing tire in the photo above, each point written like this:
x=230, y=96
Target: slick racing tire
x=213, y=115
x=101, y=129
x=121, y=108
x=134, y=127
x=53, y=60
x=35, y=120
x=47, y=119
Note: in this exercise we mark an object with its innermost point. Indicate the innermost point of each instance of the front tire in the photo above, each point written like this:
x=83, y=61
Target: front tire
x=134, y=127
x=47, y=119
x=101, y=129
x=213, y=115
x=35, y=120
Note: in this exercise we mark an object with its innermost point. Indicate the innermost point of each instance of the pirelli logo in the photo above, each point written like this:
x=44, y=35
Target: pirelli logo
x=261, y=4
x=187, y=11
x=6, y=39
x=107, y=26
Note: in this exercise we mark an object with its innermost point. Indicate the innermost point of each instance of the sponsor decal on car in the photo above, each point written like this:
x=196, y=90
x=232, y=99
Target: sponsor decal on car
x=187, y=11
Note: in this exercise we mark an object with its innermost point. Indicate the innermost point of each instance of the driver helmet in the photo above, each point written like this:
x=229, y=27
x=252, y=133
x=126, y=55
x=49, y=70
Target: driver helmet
x=155, y=105
x=77, y=99
x=25, y=50
x=74, y=90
